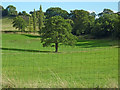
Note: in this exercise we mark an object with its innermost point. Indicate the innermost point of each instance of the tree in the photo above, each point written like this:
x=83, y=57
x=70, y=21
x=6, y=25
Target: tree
x=3, y=11
x=56, y=11
x=117, y=27
x=105, y=11
x=1, y=8
x=57, y=30
x=40, y=19
x=105, y=26
x=19, y=13
x=20, y=23
x=30, y=23
x=31, y=12
x=24, y=13
x=93, y=14
x=34, y=21
x=11, y=10
x=82, y=21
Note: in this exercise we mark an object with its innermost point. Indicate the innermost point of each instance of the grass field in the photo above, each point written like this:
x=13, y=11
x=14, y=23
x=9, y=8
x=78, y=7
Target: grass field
x=7, y=24
x=90, y=63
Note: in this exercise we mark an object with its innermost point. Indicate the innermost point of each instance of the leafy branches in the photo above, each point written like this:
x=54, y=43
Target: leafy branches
x=19, y=23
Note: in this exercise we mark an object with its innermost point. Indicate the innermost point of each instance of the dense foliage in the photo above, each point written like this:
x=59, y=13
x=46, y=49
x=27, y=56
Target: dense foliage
x=19, y=23
x=57, y=30
x=40, y=19
x=78, y=22
x=105, y=25
x=56, y=11
x=83, y=22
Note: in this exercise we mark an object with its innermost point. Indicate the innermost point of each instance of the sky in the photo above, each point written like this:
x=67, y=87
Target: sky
x=88, y=6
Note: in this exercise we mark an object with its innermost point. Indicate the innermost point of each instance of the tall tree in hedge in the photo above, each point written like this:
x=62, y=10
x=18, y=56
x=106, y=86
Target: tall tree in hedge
x=30, y=24
x=40, y=19
x=57, y=30
x=19, y=23
x=34, y=21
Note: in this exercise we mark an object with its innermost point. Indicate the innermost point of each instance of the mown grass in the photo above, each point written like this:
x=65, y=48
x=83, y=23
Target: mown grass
x=90, y=63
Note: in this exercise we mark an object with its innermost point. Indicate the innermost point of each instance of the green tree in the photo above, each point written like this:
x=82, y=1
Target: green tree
x=93, y=14
x=56, y=11
x=34, y=21
x=57, y=30
x=105, y=11
x=82, y=21
x=3, y=12
x=11, y=10
x=19, y=23
x=30, y=24
x=40, y=19
x=117, y=27
x=1, y=8
x=24, y=13
x=105, y=25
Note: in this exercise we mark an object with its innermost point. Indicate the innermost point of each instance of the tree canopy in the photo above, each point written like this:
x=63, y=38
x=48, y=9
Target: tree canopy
x=105, y=25
x=82, y=21
x=40, y=19
x=19, y=23
x=56, y=11
x=11, y=10
x=57, y=30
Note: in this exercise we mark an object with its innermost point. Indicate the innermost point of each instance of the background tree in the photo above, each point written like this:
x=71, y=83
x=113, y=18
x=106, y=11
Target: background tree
x=1, y=8
x=117, y=27
x=57, y=30
x=31, y=12
x=82, y=21
x=93, y=14
x=3, y=11
x=34, y=21
x=56, y=11
x=19, y=23
x=20, y=13
x=105, y=11
x=30, y=24
x=11, y=10
x=105, y=26
x=40, y=19
x=24, y=13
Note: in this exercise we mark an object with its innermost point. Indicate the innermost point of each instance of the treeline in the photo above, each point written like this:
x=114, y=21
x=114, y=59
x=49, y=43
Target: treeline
x=104, y=24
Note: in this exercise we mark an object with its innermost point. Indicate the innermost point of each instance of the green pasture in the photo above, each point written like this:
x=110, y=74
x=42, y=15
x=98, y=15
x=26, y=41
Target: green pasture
x=89, y=63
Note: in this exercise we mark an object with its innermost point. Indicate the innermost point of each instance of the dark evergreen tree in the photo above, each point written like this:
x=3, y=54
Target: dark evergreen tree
x=34, y=21
x=40, y=19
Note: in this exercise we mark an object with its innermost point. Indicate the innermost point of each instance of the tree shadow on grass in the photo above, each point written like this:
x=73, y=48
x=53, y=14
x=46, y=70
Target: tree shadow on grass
x=31, y=36
x=26, y=50
x=90, y=44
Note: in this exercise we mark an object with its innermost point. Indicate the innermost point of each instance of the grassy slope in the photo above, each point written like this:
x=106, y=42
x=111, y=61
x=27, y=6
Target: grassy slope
x=7, y=24
x=90, y=63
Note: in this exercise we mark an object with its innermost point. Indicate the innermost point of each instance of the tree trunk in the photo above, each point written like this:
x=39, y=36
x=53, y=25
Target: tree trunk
x=56, y=47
